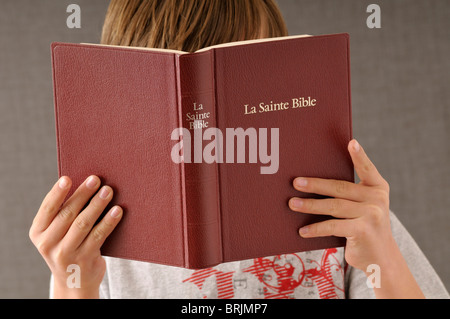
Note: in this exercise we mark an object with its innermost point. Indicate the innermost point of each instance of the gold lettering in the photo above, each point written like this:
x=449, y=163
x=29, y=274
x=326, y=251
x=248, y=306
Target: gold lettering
x=264, y=107
x=197, y=116
x=198, y=107
x=251, y=111
x=303, y=102
x=273, y=106
x=198, y=124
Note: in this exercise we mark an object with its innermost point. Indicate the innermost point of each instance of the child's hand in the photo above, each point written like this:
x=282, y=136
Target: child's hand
x=363, y=218
x=363, y=210
x=64, y=234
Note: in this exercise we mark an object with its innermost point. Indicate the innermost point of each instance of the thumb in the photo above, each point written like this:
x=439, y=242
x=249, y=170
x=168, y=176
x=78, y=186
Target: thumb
x=366, y=170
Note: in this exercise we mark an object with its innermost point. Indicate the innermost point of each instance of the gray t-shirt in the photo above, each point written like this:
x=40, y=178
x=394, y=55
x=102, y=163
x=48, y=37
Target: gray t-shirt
x=312, y=274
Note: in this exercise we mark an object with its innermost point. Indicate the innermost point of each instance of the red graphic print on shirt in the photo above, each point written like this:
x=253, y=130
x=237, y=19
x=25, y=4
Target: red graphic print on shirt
x=280, y=275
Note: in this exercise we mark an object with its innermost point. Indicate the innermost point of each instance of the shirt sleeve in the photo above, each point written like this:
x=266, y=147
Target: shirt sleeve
x=426, y=277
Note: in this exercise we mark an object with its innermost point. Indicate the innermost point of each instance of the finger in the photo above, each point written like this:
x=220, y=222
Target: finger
x=332, y=188
x=366, y=170
x=72, y=207
x=331, y=227
x=339, y=208
x=51, y=205
x=102, y=230
x=84, y=222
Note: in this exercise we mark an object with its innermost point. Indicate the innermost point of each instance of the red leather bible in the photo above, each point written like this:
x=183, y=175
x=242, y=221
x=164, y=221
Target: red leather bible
x=201, y=148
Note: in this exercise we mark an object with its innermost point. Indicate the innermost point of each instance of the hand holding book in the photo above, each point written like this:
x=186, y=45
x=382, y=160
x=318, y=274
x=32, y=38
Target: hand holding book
x=65, y=234
x=362, y=209
x=362, y=212
x=117, y=107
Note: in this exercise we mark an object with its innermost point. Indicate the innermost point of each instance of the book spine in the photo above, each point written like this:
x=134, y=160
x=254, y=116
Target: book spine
x=196, y=100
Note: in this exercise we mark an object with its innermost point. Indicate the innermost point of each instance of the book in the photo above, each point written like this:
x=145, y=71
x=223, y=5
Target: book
x=201, y=148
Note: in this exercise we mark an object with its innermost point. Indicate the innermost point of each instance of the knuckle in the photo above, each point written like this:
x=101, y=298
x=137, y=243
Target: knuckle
x=31, y=234
x=59, y=255
x=67, y=212
x=34, y=236
x=335, y=206
x=381, y=193
x=83, y=224
x=43, y=248
x=367, y=166
x=381, y=197
x=376, y=215
x=341, y=187
x=49, y=207
x=374, y=210
x=99, y=234
x=108, y=224
x=330, y=227
x=96, y=204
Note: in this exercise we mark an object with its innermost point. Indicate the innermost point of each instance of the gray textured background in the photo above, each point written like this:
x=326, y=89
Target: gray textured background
x=401, y=113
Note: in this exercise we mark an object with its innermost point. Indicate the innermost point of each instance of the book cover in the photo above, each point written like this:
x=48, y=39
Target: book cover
x=201, y=148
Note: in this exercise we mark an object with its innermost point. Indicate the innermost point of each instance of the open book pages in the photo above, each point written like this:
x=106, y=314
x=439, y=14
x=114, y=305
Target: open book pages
x=228, y=44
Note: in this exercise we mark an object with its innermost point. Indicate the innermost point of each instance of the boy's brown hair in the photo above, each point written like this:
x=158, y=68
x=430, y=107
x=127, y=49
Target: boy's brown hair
x=190, y=25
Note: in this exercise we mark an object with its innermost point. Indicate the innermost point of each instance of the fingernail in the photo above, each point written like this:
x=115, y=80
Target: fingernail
x=304, y=230
x=300, y=182
x=91, y=182
x=296, y=202
x=115, y=212
x=104, y=192
x=356, y=146
x=63, y=183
